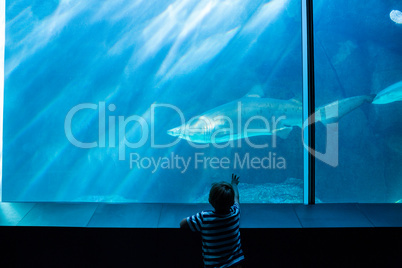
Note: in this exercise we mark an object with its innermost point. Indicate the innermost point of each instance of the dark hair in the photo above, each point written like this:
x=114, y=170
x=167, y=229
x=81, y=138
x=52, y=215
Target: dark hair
x=221, y=196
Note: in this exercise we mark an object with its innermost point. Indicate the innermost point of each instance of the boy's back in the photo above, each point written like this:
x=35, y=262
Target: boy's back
x=221, y=246
x=220, y=234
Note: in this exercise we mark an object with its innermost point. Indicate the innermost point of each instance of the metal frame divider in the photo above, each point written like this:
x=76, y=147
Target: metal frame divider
x=308, y=131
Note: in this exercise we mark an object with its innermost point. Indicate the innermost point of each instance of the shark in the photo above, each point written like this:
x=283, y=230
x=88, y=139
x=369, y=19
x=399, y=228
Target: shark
x=254, y=115
x=389, y=94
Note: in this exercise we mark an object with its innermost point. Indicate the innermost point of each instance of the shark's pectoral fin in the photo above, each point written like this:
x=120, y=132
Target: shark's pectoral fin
x=294, y=100
x=282, y=132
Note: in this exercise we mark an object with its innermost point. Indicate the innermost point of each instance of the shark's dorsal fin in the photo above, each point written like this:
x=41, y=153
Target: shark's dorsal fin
x=255, y=92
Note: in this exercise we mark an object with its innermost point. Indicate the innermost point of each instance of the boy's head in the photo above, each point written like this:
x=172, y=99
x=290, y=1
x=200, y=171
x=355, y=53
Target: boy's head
x=221, y=196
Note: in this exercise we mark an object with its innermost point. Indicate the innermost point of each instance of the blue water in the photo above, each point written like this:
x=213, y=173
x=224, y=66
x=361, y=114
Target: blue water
x=115, y=59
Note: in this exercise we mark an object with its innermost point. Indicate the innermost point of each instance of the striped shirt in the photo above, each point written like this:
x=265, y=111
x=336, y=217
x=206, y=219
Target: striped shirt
x=220, y=234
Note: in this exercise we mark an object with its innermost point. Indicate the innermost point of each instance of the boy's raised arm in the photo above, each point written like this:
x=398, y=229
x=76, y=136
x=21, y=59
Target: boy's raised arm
x=235, y=182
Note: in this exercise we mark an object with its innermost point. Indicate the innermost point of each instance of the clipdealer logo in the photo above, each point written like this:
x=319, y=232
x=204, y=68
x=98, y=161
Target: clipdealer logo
x=145, y=126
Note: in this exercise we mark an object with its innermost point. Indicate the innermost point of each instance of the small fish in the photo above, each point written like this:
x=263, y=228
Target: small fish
x=389, y=94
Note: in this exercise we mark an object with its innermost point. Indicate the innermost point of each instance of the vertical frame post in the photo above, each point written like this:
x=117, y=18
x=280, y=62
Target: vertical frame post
x=308, y=100
x=2, y=47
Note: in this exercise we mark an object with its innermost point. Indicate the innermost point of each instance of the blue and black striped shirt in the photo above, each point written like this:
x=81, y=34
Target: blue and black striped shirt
x=220, y=234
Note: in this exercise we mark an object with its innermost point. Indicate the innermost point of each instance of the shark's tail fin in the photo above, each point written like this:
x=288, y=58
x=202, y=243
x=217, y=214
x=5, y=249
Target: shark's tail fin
x=283, y=132
x=332, y=112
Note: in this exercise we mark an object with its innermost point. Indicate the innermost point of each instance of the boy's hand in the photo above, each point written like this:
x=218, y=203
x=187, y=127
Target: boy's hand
x=235, y=179
x=235, y=182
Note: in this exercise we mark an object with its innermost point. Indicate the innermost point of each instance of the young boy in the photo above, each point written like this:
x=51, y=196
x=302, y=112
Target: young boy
x=219, y=229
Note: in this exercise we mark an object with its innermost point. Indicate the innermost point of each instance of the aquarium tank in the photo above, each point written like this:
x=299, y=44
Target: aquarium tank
x=153, y=101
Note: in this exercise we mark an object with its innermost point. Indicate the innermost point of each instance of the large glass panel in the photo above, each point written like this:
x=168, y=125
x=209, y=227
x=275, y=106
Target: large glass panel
x=358, y=62
x=96, y=92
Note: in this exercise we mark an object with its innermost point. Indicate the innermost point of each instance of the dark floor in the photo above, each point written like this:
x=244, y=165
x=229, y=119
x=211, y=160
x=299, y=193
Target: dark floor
x=153, y=247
